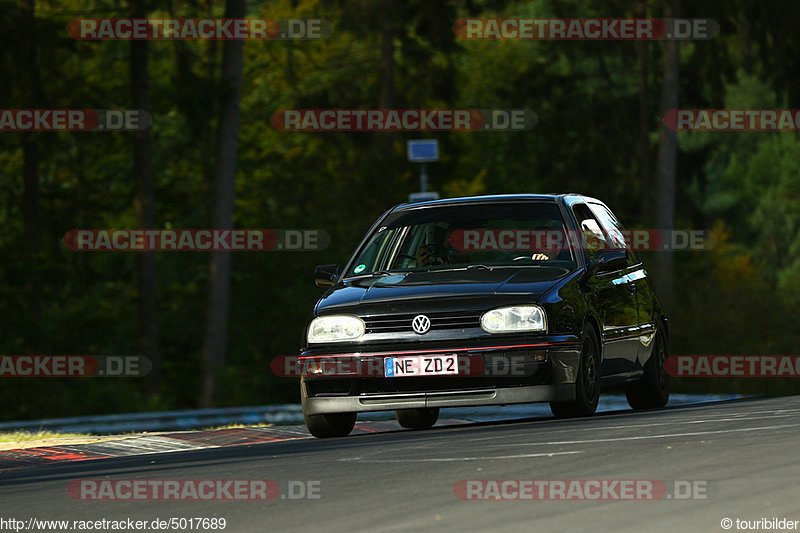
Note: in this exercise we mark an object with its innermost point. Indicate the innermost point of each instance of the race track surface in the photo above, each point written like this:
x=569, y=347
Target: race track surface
x=742, y=457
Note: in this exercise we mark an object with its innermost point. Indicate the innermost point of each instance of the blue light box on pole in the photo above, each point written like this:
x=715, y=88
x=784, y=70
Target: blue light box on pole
x=423, y=150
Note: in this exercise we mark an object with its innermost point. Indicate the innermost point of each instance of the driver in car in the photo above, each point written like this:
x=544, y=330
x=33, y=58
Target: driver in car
x=440, y=250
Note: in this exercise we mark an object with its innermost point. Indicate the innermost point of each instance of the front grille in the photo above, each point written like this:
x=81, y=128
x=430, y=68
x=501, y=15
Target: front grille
x=402, y=322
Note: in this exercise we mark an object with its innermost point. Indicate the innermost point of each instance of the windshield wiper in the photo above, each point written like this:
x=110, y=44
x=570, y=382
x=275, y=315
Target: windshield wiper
x=382, y=273
x=467, y=267
x=376, y=273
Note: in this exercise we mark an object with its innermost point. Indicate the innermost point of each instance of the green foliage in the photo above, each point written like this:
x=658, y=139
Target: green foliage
x=584, y=93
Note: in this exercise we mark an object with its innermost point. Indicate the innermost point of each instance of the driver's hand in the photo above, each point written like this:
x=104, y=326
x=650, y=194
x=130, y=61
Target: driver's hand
x=540, y=257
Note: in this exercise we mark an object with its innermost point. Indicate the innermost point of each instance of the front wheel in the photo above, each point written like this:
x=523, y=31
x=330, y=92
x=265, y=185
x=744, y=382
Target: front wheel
x=587, y=383
x=330, y=424
x=653, y=390
x=417, y=418
x=326, y=425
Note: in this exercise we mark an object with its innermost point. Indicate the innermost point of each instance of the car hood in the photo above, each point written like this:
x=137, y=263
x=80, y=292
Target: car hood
x=403, y=292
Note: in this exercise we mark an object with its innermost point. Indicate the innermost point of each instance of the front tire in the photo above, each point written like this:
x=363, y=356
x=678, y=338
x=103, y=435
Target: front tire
x=417, y=418
x=587, y=384
x=652, y=391
x=327, y=425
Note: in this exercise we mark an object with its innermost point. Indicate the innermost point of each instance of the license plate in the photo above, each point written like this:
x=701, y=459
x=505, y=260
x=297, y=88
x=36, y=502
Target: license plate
x=420, y=365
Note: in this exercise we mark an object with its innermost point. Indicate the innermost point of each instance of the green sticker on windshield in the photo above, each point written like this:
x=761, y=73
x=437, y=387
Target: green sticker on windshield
x=359, y=269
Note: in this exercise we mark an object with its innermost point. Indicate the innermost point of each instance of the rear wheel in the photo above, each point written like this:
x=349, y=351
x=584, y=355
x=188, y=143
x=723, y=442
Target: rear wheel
x=653, y=390
x=326, y=425
x=417, y=418
x=587, y=383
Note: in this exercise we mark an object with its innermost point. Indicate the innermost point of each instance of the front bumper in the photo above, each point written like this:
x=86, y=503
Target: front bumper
x=552, y=379
x=453, y=398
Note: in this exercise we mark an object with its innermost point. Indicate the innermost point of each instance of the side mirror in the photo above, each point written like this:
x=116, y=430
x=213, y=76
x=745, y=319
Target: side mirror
x=326, y=275
x=609, y=260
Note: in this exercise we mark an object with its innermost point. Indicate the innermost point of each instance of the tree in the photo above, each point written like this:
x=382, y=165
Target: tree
x=667, y=158
x=643, y=50
x=31, y=217
x=145, y=210
x=218, y=299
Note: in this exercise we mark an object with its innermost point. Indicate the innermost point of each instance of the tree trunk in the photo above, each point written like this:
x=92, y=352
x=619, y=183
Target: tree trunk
x=218, y=301
x=144, y=205
x=667, y=156
x=387, y=57
x=384, y=141
x=642, y=49
x=31, y=212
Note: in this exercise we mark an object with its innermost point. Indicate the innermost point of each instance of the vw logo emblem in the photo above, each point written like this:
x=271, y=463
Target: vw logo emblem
x=421, y=324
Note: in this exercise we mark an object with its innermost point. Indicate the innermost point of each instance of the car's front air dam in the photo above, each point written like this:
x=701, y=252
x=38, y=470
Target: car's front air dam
x=466, y=398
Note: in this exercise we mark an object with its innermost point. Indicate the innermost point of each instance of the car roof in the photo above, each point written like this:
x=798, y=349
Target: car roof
x=568, y=198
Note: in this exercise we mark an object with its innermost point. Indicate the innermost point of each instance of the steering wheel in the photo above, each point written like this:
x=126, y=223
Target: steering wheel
x=435, y=254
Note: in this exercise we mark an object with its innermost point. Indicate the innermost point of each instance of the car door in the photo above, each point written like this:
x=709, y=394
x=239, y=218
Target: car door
x=612, y=297
x=637, y=283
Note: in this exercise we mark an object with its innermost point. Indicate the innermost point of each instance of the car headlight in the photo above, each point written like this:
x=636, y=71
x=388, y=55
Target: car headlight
x=515, y=318
x=335, y=328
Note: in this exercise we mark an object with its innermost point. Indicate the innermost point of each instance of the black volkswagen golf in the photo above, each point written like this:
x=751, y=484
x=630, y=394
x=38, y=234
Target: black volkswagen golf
x=489, y=300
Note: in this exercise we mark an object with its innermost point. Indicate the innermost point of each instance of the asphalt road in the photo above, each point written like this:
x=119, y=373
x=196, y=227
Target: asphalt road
x=744, y=456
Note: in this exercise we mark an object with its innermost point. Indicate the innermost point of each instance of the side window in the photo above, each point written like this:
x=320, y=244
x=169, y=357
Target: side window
x=592, y=237
x=615, y=231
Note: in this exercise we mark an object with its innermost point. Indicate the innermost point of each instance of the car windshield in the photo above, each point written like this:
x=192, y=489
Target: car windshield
x=522, y=234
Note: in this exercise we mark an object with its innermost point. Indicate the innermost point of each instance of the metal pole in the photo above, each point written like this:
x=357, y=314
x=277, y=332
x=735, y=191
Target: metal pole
x=423, y=179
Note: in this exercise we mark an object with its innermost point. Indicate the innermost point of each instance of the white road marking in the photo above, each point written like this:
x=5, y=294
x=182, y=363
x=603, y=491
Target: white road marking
x=645, y=437
x=710, y=420
x=634, y=426
x=451, y=459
